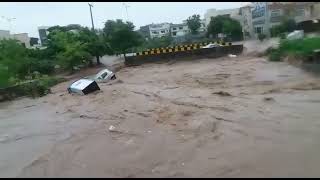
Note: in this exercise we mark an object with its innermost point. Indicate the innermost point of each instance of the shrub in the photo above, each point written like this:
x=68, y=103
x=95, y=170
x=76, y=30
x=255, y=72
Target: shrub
x=261, y=37
x=40, y=87
x=275, y=55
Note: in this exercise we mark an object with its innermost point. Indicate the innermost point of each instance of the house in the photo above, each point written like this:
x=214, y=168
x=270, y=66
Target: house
x=268, y=14
x=178, y=30
x=159, y=30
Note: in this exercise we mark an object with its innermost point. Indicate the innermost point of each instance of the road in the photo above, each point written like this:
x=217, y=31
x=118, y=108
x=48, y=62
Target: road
x=226, y=117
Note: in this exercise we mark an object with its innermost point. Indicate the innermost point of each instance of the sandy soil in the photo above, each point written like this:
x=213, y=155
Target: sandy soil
x=227, y=117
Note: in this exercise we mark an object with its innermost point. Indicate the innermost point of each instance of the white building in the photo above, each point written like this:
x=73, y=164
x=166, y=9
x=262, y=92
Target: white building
x=159, y=30
x=23, y=38
x=178, y=30
x=4, y=34
x=233, y=13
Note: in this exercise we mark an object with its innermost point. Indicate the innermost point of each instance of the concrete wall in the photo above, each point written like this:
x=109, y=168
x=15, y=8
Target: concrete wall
x=184, y=55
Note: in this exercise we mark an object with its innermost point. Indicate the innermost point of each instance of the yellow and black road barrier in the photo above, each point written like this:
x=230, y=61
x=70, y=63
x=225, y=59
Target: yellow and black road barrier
x=179, y=48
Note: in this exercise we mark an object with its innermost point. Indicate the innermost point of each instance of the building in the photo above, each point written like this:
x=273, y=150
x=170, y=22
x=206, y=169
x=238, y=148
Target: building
x=144, y=31
x=4, y=34
x=159, y=30
x=233, y=13
x=246, y=21
x=178, y=30
x=43, y=34
x=268, y=14
x=34, y=41
x=23, y=38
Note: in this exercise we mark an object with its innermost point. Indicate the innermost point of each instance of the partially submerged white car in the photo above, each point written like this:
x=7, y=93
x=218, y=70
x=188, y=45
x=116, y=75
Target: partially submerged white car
x=103, y=76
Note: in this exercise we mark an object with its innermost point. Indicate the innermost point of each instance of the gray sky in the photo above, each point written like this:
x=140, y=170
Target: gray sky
x=30, y=15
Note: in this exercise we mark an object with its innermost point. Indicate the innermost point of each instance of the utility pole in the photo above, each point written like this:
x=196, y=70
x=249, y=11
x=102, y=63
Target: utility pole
x=126, y=6
x=90, y=5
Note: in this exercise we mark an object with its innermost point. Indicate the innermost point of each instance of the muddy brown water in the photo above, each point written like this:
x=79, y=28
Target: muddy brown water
x=171, y=121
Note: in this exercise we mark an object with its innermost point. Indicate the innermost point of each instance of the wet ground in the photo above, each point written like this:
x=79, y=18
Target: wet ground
x=227, y=117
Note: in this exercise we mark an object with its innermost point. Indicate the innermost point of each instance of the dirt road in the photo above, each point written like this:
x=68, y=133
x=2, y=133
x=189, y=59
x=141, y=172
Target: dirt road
x=228, y=117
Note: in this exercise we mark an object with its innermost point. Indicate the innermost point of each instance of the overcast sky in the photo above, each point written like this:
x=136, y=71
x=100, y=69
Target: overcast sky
x=30, y=15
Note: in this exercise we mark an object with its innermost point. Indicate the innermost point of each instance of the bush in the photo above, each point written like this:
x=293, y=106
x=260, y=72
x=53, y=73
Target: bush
x=261, y=37
x=301, y=48
x=40, y=87
x=283, y=35
x=275, y=55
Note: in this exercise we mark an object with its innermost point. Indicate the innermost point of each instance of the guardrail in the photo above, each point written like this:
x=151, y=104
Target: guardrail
x=179, y=48
x=184, y=53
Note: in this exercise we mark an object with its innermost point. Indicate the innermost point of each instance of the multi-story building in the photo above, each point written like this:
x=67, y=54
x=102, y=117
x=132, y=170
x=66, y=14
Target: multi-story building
x=178, y=30
x=268, y=14
x=159, y=30
x=43, y=34
x=246, y=21
x=145, y=31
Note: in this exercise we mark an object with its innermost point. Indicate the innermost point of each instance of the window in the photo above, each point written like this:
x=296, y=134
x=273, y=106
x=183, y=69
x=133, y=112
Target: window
x=300, y=12
x=155, y=32
x=174, y=28
x=180, y=28
x=174, y=33
x=162, y=32
x=104, y=75
x=258, y=30
x=275, y=13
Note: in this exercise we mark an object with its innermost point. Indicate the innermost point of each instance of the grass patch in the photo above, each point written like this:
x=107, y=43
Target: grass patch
x=301, y=48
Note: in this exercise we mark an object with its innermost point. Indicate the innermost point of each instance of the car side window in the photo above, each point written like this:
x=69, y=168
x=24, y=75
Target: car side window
x=104, y=75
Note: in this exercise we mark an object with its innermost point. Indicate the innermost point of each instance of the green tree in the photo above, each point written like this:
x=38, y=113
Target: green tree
x=287, y=25
x=13, y=58
x=71, y=51
x=96, y=45
x=225, y=25
x=194, y=23
x=121, y=36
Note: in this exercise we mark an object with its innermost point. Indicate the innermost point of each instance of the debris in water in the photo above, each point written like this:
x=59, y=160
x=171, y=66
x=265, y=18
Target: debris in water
x=268, y=99
x=112, y=128
x=222, y=93
x=232, y=55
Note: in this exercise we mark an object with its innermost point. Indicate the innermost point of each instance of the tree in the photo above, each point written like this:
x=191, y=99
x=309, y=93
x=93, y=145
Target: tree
x=225, y=25
x=194, y=23
x=287, y=25
x=71, y=51
x=121, y=36
x=96, y=45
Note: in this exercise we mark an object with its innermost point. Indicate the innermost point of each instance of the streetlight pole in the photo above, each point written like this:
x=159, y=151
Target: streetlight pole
x=90, y=5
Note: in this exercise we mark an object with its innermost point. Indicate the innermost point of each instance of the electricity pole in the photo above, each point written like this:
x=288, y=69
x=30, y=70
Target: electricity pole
x=90, y=5
x=126, y=6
